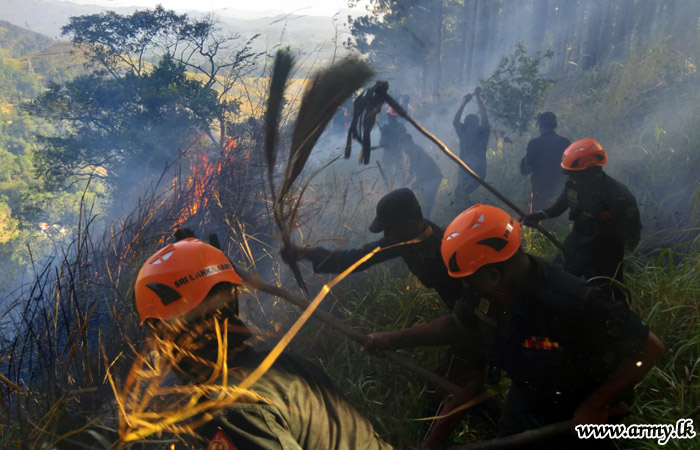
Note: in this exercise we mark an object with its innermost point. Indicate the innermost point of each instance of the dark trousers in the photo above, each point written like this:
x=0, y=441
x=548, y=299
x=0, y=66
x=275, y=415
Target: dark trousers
x=603, y=267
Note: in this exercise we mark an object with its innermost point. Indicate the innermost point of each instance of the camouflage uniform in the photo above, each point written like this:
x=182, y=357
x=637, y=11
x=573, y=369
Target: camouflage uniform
x=304, y=410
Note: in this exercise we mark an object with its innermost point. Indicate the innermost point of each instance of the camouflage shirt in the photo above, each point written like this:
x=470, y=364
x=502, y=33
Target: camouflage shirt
x=303, y=410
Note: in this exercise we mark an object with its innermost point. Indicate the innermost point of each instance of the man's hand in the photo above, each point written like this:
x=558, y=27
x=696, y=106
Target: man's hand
x=293, y=252
x=466, y=98
x=477, y=91
x=379, y=341
x=534, y=218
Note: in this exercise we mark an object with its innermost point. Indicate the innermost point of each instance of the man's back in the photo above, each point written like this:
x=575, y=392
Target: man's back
x=544, y=154
x=299, y=408
x=473, y=145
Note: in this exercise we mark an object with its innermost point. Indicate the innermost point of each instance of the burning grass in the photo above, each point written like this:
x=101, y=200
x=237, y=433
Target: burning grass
x=76, y=319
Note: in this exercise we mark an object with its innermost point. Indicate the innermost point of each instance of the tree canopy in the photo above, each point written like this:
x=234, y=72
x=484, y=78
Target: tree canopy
x=159, y=82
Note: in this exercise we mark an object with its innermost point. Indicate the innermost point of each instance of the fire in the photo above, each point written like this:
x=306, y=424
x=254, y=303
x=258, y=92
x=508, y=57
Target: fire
x=199, y=188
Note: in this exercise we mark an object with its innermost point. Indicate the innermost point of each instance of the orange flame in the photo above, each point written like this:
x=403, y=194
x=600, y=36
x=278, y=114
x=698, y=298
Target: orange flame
x=199, y=182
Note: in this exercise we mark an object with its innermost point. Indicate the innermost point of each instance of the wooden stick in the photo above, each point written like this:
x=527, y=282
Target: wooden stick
x=520, y=439
x=351, y=333
x=396, y=107
x=526, y=437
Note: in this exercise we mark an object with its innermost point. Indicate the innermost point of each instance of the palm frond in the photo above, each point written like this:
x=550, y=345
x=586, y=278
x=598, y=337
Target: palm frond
x=324, y=95
x=284, y=61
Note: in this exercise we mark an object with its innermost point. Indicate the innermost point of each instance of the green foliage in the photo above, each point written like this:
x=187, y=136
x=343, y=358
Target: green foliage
x=16, y=81
x=516, y=89
x=116, y=123
x=113, y=41
x=24, y=200
x=158, y=86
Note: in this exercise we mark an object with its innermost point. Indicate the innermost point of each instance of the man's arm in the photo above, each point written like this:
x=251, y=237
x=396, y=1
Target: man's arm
x=629, y=223
x=441, y=331
x=335, y=261
x=482, y=109
x=457, y=119
x=556, y=210
x=629, y=372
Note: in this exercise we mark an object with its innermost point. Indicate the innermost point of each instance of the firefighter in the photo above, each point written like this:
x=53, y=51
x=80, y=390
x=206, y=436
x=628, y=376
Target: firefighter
x=473, y=136
x=399, y=217
x=569, y=350
x=181, y=292
x=541, y=162
x=604, y=212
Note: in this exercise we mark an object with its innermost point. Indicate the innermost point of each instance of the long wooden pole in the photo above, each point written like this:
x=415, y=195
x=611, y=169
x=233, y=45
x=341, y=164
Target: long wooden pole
x=529, y=436
x=402, y=112
x=520, y=439
x=351, y=333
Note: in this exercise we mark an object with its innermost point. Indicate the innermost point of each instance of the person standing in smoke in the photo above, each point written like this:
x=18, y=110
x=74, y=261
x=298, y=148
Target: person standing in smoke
x=393, y=133
x=428, y=175
x=605, y=215
x=541, y=162
x=473, y=136
x=188, y=292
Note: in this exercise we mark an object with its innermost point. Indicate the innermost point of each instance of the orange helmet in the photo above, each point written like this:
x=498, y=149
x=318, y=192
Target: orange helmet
x=583, y=154
x=177, y=278
x=480, y=235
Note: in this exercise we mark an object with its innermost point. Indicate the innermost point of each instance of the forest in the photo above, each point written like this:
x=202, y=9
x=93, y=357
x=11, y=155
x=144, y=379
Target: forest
x=134, y=126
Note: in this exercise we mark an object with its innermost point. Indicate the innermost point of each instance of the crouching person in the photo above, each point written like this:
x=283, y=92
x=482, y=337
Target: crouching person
x=569, y=350
x=187, y=293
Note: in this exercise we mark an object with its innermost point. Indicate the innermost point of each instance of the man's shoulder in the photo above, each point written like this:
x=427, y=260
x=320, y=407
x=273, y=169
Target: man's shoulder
x=614, y=185
x=558, y=289
x=438, y=231
x=617, y=190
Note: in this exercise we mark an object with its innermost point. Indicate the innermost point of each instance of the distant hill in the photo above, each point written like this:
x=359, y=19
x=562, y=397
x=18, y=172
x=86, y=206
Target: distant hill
x=47, y=16
x=314, y=35
x=20, y=41
x=58, y=63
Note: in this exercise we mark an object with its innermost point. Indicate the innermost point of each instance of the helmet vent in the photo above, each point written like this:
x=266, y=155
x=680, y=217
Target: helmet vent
x=599, y=156
x=163, y=258
x=574, y=163
x=495, y=243
x=452, y=263
x=479, y=221
x=453, y=235
x=166, y=294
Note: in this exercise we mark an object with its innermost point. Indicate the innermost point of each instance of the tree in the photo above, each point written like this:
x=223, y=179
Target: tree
x=401, y=35
x=159, y=82
x=516, y=89
x=133, y=122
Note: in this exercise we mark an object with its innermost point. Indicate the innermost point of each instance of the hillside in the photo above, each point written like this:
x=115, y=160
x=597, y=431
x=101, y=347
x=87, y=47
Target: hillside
x=19, y=41
x=314, y=34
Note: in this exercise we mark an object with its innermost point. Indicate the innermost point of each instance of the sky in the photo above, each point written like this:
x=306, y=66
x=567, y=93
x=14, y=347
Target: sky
x=305, y=7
